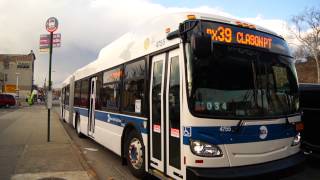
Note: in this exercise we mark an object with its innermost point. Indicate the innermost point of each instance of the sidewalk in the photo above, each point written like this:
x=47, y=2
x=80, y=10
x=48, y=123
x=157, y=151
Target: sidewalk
x=28, y=155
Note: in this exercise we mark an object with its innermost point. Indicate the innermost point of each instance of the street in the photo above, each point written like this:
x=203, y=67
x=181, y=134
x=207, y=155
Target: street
x=24, y=151
x=4, y=111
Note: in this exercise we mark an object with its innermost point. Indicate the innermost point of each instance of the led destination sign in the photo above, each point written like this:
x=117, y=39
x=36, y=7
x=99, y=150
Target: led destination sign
x=224, y=33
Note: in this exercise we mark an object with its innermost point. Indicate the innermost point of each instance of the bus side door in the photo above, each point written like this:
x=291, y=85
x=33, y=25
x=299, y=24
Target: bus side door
x=165, y=134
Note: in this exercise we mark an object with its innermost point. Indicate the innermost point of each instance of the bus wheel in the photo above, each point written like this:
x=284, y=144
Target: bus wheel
x=78, y=127
x=135, y=154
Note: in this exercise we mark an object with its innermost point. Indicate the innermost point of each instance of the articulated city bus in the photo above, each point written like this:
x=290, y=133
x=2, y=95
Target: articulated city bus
x=191, y=96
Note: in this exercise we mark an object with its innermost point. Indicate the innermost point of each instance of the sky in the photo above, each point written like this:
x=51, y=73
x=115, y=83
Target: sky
x=87, y=26
x=270, y=9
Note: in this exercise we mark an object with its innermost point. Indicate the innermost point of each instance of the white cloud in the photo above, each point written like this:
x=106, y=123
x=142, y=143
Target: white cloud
x=86, y=26
x=277, y=25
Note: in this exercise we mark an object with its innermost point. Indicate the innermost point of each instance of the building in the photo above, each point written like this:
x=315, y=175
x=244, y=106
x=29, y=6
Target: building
x=17, y=70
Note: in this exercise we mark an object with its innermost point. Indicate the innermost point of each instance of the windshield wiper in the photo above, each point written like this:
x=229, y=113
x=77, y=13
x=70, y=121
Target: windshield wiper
x=247, y=96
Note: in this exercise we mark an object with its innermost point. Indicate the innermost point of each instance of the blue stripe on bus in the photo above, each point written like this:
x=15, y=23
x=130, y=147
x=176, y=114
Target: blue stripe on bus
x=246, y=134
x=115, y=119
x=213, y=135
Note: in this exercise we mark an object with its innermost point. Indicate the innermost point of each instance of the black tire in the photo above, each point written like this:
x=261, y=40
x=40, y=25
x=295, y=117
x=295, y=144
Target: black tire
x=138, y=168
x=80, y=135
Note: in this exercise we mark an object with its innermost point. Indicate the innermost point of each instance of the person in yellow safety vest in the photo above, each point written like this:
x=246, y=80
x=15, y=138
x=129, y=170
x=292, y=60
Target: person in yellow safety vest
x=30, y=98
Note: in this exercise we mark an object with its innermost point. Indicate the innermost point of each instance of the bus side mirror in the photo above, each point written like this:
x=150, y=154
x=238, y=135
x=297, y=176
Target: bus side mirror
x=201, y=45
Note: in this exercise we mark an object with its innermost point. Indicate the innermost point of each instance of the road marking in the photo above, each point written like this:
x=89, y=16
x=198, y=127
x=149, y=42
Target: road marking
x=91, y=149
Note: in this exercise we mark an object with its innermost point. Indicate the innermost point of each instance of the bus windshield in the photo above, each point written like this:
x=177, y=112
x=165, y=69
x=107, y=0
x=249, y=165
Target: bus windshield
x=238, y=82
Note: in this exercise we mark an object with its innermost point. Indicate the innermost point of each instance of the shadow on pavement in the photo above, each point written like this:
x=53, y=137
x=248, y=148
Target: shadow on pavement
x=313, y=163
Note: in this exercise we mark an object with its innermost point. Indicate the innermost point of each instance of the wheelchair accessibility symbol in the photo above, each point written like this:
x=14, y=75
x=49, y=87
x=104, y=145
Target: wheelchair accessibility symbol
x=187, y=131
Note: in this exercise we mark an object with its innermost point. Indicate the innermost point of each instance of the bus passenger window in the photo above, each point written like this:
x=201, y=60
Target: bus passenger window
x=84, y=97
x=110, y=96
x=133, y=94
x=98, y=90
x=66, y=100
x=77, y=88
x=110, y=90
x=63, y=96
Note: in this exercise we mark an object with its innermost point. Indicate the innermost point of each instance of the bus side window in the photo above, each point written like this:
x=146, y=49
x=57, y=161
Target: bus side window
x=133, y=93
x=98, y=91
x=62, y=96
x=67, y=95
x=110, y=91
x=77, y=88
x=84, y=96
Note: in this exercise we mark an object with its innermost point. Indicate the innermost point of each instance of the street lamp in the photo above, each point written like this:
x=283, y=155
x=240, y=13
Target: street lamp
x=17, y=84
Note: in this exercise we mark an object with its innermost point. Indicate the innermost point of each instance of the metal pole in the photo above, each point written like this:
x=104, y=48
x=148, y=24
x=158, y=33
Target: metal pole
x=17, y=85
x=17, y=82
x=50, y=59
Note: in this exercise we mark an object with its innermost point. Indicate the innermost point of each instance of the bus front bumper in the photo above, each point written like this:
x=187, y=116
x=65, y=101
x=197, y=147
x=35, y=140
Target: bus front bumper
x=289, y=165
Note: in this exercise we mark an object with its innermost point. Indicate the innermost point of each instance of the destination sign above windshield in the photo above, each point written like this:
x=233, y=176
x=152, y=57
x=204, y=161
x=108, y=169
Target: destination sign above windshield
x=237, y=35
x=225, y=34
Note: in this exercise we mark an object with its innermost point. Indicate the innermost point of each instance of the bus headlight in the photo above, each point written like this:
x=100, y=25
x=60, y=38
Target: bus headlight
x=203, y=149
x=296, y=140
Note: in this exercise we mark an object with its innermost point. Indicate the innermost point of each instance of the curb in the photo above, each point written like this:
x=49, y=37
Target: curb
x=83, y=161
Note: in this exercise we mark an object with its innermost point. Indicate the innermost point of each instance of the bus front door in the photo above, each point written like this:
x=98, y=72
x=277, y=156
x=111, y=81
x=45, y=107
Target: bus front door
x=165, y=135
x=91, y=120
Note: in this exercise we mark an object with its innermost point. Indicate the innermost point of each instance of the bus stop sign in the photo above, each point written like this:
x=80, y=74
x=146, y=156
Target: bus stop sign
x=52, y=24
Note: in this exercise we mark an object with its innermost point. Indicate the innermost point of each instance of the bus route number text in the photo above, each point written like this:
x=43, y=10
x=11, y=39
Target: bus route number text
x=225, y=34
x=160, y=43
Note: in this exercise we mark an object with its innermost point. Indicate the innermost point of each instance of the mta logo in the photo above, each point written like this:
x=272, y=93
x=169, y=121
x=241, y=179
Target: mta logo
x=263, y=133
x=187, y=131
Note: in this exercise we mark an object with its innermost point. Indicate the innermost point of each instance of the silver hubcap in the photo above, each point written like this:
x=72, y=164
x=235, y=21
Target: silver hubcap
x=135, y=153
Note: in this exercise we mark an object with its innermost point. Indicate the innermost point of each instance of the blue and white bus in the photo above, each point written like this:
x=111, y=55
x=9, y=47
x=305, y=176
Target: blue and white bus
x=191, y=95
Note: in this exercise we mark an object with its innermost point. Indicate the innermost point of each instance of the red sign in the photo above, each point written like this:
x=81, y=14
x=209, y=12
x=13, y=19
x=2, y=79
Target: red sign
x=175, y=132
x=45, y=41
x=52, y=24
x=157, y=128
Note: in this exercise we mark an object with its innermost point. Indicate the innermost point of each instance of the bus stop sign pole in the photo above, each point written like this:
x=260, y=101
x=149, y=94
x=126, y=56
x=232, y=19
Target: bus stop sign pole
x=51, y=26
x=49, y=89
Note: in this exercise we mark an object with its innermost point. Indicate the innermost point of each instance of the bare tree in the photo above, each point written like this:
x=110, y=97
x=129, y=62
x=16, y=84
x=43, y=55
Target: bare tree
x=306, y=29
x=300, y=53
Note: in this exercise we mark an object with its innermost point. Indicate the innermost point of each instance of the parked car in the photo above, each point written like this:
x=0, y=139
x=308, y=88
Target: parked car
x=7, y=100
x=310, y=105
